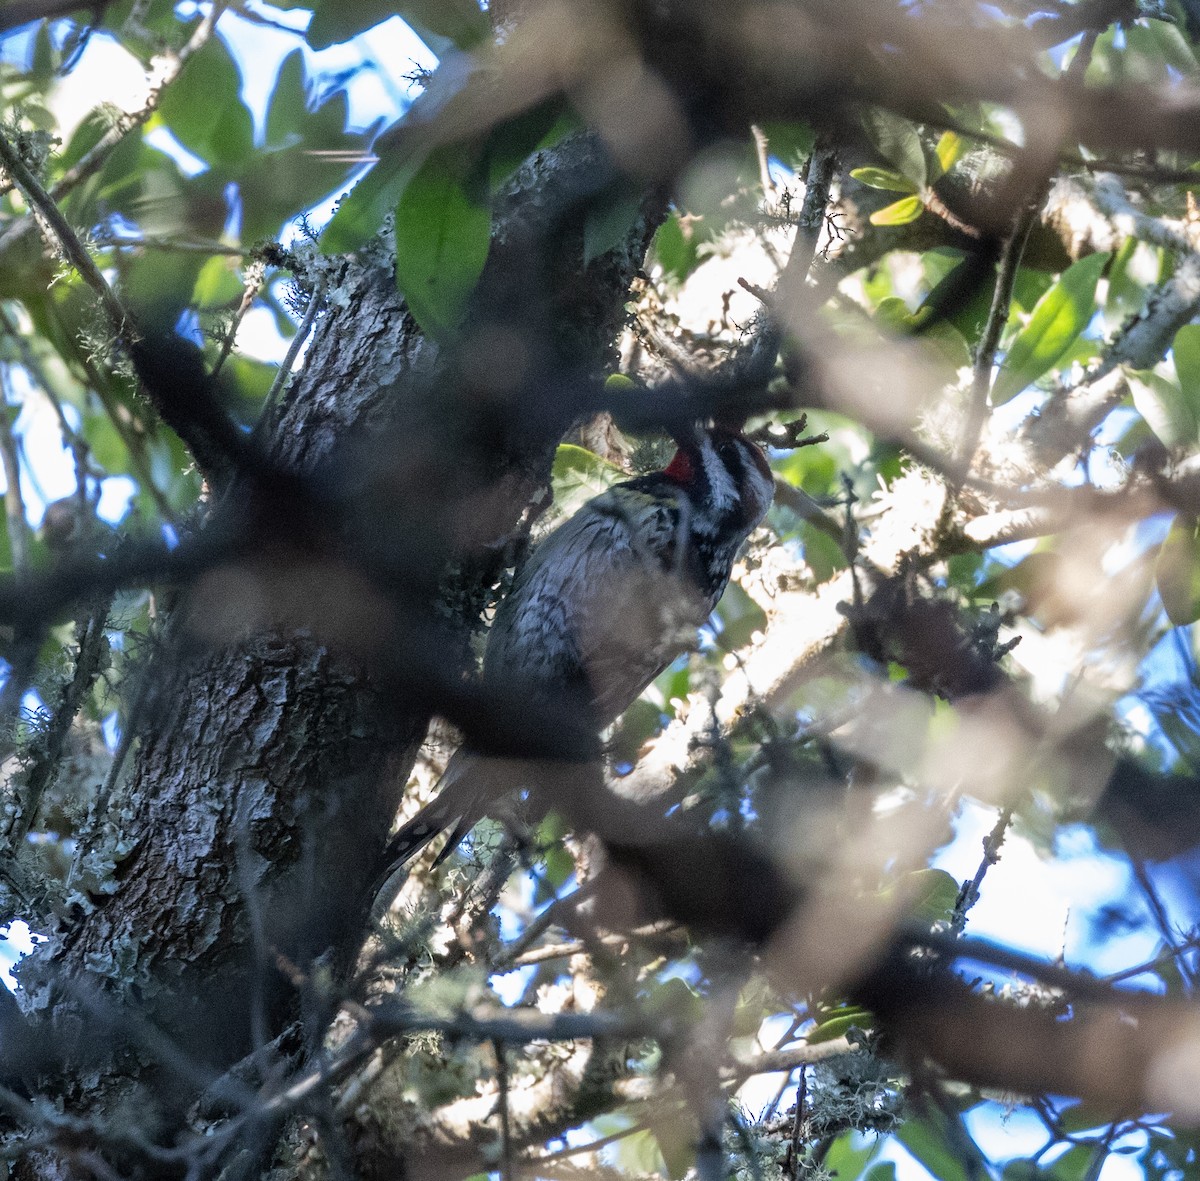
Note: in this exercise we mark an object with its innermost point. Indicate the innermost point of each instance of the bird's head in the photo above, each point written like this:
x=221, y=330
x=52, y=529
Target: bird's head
x=725, y=474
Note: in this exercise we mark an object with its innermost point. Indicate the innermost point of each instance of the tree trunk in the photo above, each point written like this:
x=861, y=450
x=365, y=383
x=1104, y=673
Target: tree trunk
x=271, y=762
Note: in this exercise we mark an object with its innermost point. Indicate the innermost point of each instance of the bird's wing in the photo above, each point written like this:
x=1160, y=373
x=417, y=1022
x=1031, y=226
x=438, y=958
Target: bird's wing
x=601, y=595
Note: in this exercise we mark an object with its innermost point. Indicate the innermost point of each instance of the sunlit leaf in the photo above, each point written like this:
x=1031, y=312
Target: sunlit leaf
x=899, y=213
x=1164, y=406
x=675, y=248
x=1057, y=319
x=837, y=1022
x=949, y=150
x=883, y=178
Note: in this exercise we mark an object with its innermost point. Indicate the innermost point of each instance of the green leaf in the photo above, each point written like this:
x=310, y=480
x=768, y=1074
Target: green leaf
x=848, y=1155
x=289, y=102
x=45, y=59
x=897, y=141
x=1022, y=1170
x=1164, y=406
x=930, y=1147
x=740, y=617
x=640, y=1155
x=884, y=1171
x=579, y=474
x=361, y=212
x=675, y=248
x=609, y=221
x=1125, y=293
x=512, y=142
x=675, y=1135
x=949, y=150
x=1081, y=1117
x=217, y=283
x=1057, y=319
x=892, y=313
x=443, y=234
x=883, y=178
x=1075, y=1164
x=1185, y=352
x=755, y=1003
x=790, y=142
x=836, y=1022
x=204, y=109
x=105, y=443
x=1177, y=571
x=556, y=869
x=675, y=1000
x=1173, y=46
x=933, y=893
x=898, y=213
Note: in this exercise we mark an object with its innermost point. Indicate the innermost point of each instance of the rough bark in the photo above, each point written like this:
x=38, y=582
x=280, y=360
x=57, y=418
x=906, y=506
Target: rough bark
x=272, y=765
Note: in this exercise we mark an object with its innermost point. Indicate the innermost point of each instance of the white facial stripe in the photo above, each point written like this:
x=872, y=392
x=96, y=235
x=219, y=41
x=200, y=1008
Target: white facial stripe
x=723, y=490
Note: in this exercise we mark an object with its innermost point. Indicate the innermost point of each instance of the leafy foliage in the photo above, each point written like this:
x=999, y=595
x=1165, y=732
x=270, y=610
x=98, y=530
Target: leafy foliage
x=955, y=304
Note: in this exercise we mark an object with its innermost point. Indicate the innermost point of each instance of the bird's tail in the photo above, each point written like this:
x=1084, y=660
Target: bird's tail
x=454, y=808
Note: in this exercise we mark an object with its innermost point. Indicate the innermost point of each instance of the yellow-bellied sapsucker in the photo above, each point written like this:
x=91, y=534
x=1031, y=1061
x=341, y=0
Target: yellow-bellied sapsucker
x=607, y=601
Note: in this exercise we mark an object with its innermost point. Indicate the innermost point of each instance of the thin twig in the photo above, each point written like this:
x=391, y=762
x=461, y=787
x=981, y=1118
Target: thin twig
x=985, y=354
x=167, y=245
x=1173, y=952
x=506, y=1153
x=255, y=272
x=315, y=301
x=799, y=1126
x=47, y=761
x=551, y=915
x=117, y=413
x=968, y=895
x=761, y=149
x=592, y=1145
x=14, y=505
x=68, y=241
x=1158, y=911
